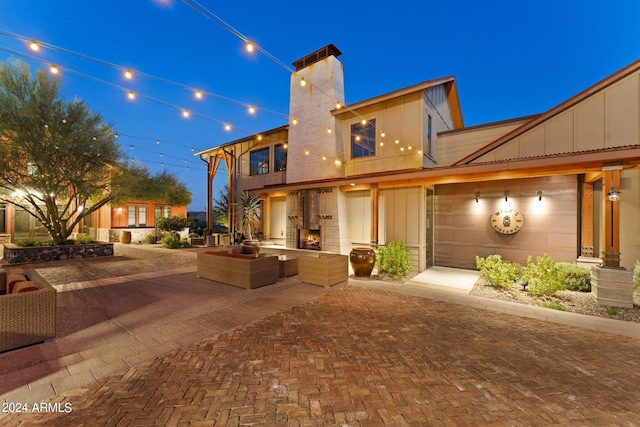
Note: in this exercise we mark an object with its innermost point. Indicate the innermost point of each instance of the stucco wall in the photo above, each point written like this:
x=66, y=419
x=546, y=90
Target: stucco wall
x=463, y=229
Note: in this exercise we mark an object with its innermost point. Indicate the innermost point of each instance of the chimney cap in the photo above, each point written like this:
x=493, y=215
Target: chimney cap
x=316, y=56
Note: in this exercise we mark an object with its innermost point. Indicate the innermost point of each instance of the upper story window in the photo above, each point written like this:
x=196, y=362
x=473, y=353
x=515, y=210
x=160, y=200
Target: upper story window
x=363, y=139
x=259, y=162
x=280, y=157
x=429, y=136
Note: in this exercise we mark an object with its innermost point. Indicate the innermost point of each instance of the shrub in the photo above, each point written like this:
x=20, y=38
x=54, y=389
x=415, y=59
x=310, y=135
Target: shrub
x=544, y=277
x=28, y=241
x=173, y=223
x=171, y=241
x=394, y=259
x=498, y=273
x=636, y=275
x=575, y=277
x=150, y=238
x=185, y=243
x=85, y=239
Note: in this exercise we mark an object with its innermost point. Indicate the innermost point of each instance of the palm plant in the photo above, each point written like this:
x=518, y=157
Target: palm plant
x=250, y=204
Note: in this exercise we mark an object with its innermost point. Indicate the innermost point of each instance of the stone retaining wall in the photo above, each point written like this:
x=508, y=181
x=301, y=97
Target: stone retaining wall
x=16, y=255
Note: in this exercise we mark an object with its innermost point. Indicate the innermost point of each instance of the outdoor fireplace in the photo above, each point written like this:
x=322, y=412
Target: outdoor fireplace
x=310, y=239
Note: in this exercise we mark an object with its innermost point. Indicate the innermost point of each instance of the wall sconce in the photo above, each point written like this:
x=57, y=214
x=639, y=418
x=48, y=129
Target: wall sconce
x=613, y=194
x=477, y=196
x=506, y=196
x=539, y=195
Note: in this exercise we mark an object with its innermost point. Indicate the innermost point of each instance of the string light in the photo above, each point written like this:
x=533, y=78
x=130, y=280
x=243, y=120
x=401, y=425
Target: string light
x=54, y=69
x=34, y=46
x=185, y=113
x=252, y=109
x=303, y=82
x=198, y=94
x=227, y=127
x=249, y=47
x=131, y=95
x=128, y=75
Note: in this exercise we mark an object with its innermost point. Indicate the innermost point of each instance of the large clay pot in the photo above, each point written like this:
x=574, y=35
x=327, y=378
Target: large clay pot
x=251, y=247
x=362, y=261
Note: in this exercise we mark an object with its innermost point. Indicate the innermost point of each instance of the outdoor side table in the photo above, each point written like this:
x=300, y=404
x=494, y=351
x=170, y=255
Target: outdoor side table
x=288, y=265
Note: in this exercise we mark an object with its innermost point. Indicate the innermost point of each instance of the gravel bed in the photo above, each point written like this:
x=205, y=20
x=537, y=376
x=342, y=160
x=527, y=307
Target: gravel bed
x=577, y=302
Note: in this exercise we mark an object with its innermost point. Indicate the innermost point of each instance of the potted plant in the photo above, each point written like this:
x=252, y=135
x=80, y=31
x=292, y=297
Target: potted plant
x=250, y=205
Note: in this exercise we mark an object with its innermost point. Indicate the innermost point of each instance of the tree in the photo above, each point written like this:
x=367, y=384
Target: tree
x=221, y=207
x=58, y=160
x=250, y=205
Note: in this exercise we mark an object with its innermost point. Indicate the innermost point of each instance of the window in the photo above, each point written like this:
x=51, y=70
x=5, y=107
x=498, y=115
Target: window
x=429, y=147
x=167, y=212
x=142, y=216
x=157, y=213
x=363, y=139
x=280, y=157
x=131, y=216
x=3, y=218
x=259, y=162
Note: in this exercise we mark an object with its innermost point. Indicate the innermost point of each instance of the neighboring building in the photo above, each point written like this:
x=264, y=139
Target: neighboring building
x=402, y=166
x=104, y=225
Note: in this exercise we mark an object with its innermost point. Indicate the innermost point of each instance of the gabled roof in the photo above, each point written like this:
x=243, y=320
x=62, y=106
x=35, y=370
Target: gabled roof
x=450, y=88
x=241, y=140
x=555, y=111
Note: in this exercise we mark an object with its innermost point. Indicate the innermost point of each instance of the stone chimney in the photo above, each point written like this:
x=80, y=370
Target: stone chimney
x=315, y=149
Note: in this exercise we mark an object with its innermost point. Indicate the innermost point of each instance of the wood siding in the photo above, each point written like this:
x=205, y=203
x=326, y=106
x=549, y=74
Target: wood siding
x=463, y=229
x=607, y=119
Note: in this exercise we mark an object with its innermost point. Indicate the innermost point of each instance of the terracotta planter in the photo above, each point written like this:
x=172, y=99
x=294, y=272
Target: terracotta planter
x=362, y=261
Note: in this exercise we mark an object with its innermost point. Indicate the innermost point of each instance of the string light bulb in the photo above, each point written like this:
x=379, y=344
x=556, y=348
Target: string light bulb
x=249, y=47
x=227, y=127
x=338, y=105
x=252, y=109
x=128, y=74
x=294, y=121
x=198, y=94
x=303, y=82
x=185, y=113
x=364, y=122
x=34, y=46
x=328, y=130
x=131, y=95
x=382, y=134
x=54, y=69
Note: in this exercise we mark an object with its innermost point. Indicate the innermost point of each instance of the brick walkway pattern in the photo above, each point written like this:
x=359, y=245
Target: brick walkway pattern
x=365, y=357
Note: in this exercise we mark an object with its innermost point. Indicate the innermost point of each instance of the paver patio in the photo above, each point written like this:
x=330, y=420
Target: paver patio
x=375, y=354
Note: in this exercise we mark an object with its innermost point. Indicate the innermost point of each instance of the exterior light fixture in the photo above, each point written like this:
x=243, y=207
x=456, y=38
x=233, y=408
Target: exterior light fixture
x=249, y=47
x=54, y=69
x=382, y=134
x=198, y=94
x=328, y=130
x=294, y=121
x=303, y=82
x=477, y=196
x=185, y=113
x=364, y=122
x=34, y=46
x=613, y=194
x=131, y=95
x=338, y=105
x=227, y=127
x=252, y=109
x=506, y=196
x=397, y=141
x=128, y=74
x=539, y=195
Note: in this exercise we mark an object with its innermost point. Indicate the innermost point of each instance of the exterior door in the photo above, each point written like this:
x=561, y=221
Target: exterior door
x=429, y=227
x=25, y=225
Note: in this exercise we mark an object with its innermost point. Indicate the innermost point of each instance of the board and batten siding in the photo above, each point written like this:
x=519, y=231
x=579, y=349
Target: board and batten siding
x=402, y=217
x=453, y=146
x=607, y=119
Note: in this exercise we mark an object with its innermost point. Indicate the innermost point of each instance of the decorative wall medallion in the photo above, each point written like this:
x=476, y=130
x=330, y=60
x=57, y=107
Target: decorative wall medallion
x=507, y=221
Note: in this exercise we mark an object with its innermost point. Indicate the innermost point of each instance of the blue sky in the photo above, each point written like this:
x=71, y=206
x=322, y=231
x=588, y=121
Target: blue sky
x=510, y=59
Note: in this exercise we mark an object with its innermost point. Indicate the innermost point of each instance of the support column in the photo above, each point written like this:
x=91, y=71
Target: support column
x=212, y=169
x=374, y=195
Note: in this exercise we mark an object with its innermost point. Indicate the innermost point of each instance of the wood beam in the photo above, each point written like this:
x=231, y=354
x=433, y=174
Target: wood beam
x=611, y=215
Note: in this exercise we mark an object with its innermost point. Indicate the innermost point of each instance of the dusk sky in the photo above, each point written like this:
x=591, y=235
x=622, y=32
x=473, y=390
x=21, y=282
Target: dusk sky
x=510, y=59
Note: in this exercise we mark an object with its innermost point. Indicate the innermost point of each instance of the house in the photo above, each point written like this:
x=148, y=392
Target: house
x=402, y=166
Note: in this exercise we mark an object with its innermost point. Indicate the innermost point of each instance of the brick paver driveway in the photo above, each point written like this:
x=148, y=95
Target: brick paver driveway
x=363, y=357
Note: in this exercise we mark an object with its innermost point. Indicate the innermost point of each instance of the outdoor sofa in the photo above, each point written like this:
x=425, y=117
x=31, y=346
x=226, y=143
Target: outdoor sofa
x=27, y=309
x=244, y=271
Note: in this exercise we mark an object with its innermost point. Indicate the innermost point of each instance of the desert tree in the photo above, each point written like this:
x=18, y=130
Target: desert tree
x=59, y=161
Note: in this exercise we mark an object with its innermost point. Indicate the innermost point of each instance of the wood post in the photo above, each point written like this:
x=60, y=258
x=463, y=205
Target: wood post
x=611, y=215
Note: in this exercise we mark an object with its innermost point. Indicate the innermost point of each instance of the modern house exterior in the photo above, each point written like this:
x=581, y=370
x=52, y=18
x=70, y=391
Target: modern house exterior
x=402, y=166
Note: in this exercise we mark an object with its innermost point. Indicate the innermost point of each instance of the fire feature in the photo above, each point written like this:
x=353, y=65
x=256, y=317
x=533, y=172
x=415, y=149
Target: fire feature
x=310, y=239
